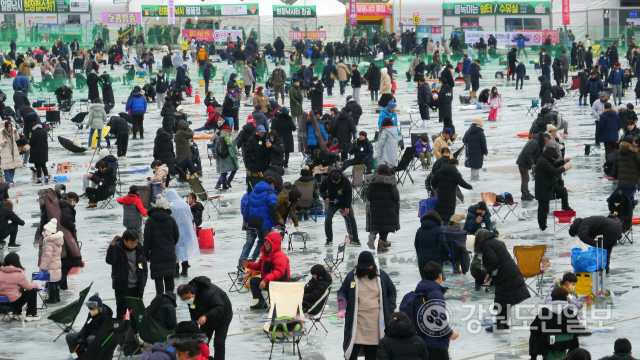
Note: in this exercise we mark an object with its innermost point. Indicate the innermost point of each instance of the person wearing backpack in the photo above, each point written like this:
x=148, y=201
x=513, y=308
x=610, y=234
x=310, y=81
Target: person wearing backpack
x=429, y=293
x=226, y=162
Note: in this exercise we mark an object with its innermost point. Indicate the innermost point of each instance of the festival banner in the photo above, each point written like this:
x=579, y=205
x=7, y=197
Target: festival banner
x=44, y=6
x=496, y=8
x=532, y=37
x=171, y=12
x=211, y=35
x=307, y=11
x=201, y=10
x=566, y=16
x=363, y=9
x=121, y=18
x=313, y=35
x=352, y=12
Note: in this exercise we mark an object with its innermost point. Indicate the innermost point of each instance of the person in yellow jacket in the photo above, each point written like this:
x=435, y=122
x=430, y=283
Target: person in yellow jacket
x=185, y=48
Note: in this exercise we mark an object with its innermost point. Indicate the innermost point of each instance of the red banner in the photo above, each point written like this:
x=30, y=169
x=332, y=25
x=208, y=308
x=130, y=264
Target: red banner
x=211, y=35
x=566, y=16
x=352, y=13
x=313, y=35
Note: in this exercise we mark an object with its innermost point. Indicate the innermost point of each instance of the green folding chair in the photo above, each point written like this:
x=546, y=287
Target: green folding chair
x=209, y=201
x=148, y=328
x=66, y=316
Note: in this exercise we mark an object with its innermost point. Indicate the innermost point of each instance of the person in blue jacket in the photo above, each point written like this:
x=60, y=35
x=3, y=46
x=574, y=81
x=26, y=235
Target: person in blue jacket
x=312, y=140
x=476, y=216
x=521, y=72
x=261, y=207
x=594, y=87
x=605, y=64
x=616, y=79
x=520, y=42
x=21, y=82
x=389, y=112
x=365, y=276
x=181, y=77
x=137, y=107
x=466, y=67
x=607, y=128
x=430, y=292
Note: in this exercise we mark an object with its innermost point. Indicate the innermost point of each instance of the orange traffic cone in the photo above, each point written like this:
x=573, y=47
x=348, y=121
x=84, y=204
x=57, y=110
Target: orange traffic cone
x=197, y=97
x=393, y=85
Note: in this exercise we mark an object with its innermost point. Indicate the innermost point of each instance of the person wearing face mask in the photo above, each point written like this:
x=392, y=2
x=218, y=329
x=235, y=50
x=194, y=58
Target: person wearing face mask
x=99, y=316
x=568, y=281
x=211, y=308
x=367, y=298
x=273, y=265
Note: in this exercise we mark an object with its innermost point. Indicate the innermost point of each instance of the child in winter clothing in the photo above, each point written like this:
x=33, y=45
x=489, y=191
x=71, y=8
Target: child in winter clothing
x=423, y=151
x=51, y=258
x=187, y=86
x=495, y=101
x=161, y=172
x=196, y=209
x=212, y=120
x=133, y=211
x=568, y=281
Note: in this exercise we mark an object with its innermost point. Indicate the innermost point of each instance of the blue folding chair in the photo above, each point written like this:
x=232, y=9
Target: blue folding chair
x=42, y=276
x=8, y=314
x=533, y=109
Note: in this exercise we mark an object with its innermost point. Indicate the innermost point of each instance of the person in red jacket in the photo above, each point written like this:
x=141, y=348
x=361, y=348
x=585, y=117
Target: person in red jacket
x=133, y=211
x=273, y=265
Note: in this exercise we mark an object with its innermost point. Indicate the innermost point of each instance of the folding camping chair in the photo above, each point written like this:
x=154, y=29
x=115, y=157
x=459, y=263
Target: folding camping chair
x=376, y=137
x=308, y=199
x=317, y=316
x=490, y=199
x=629, y=192
x=406, y=163
x=562, y=220
x=65, y=108
x=533, y=109
x=532, y=264
x=44, y=295
x=414, y=139
x=302, y=235
x=454, y=248
x=78, y=119
x=574, y=88
x=9, y=314
x=106, y=204
x=357, y=182
x=66, y=316
x=148, y=328
x=590, y=149
x=198, y=189
x=238, y=282
x=334, y=262
x=286, y=306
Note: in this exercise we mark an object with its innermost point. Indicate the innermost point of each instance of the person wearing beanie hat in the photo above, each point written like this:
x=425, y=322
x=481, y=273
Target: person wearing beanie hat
x=315, y=289
x=367, y=297
x=162, y=203
x=555, y=141
x=133, y=210
x=626, y=167
x=453, y=231
x=476, y=149
x=478, y=215
x=51, y=258
x=99, y=317
x=591, y=228
x=616, y=79
x=227, y=159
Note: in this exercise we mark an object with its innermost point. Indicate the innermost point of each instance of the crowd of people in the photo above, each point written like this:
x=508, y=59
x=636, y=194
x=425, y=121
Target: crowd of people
x=160, y=240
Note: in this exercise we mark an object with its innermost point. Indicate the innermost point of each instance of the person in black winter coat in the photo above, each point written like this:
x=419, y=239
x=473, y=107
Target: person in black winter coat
x=107, y=90
x=476, y=148
x=430, y=241
x=592, y=227
x=446, y=181
x=211, y=309
x=446, y=74
x=343, y=129
x=168, y=114
x=163, y=150
x=278, y=45
x=474, y=76
x=39, y=153
x=510, y=288
x=120, y=128
x=337, y=193
x=92, y=84
x=521, y=72
x=128, y=271
x=180, y=78
x=453, y=231
x=424, y=99
x=197, y=209
x=373, y=76
x=362, y=151
x=317, y=94
x=161, y=234
x=548, y=168
x=283, y=124
x=400, y=341
x=276, y=150
x=356, y=109
x=445, y=97
x=163, y=310
x=527, y=158
x=621, y=350
x=99, y=316
x=315, y=289
x=104, y=178
x=256, y=152
x=545, y=90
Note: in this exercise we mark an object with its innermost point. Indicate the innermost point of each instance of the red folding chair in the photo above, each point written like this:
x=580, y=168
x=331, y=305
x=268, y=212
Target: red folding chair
x=562, y=220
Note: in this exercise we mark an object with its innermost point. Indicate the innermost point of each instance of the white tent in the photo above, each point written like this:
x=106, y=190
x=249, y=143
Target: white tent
x=587, y=17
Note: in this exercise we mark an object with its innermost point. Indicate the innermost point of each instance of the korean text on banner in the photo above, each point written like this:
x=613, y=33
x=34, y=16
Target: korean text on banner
x=119, y=18
x=313, y=35
x=532, y=37
x=171, y=12
x=211, y=35
x=352, y=12
x=566, y=16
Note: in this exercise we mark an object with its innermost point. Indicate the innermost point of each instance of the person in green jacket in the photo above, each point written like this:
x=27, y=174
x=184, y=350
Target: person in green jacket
x=295, y=100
